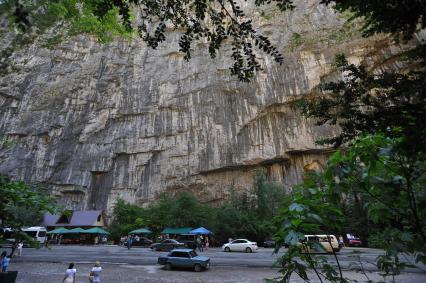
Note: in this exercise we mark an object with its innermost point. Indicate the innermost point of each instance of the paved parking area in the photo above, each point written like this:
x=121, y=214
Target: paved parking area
x=116, y=273
x=139, y=265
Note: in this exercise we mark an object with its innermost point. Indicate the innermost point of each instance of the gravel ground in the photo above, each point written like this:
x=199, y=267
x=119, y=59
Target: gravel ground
x=38, y=272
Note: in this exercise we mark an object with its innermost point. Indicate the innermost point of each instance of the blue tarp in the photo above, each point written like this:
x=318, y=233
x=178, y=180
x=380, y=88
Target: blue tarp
x=200, y=231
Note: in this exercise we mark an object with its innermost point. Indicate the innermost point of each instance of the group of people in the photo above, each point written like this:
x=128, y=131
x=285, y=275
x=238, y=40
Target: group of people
x=94, y=275
x=5, y=258
x=202, y=242
x=101, y=239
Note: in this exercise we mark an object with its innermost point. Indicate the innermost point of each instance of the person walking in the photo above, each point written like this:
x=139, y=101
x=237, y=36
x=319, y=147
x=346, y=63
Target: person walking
x=207, y=244
x=129, y=242
x=199, y=244
x=341, y=241
x=46, y=243
x=4, y=261
x=20, y=246
x=95, y=273
x=70, y=274
x=14, y=245
x=123, y=240
x=203, y=241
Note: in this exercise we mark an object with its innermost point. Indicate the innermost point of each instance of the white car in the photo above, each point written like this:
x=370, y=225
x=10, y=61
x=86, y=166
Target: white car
x=240, y=245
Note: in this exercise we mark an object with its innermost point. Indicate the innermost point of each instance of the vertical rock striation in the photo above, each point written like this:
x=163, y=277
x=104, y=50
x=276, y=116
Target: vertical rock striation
x=99, y=122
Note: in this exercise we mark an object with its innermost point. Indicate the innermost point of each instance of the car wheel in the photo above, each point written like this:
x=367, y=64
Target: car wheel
x=197, y=268
x=168, y=266
x=248, y=250
x=227, y=249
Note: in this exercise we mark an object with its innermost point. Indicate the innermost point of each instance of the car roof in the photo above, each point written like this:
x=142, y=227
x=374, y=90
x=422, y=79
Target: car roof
x=319, y=235
x=34, y=228
x=241, y=239
x=181, y=250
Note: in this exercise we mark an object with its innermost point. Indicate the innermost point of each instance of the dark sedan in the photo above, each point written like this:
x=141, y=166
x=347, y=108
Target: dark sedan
x=167, y=245
x=141, y=241
x=184, y=258
x=269, y=244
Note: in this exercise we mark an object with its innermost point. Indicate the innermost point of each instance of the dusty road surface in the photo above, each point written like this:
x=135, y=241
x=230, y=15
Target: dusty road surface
x=126, y=273
x=139, y=265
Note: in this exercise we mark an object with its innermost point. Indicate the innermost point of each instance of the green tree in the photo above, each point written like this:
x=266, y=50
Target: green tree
x=182, y=210
x=242, y=216
x=125, y=218
x=22, y=204
x=249, y=214
x=390, y=189
x=268, y=196
x=365, y=103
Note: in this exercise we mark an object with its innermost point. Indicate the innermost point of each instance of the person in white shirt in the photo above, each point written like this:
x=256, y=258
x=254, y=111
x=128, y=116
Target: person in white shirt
x=95, y=273
x=70, y=274
x=20, y=246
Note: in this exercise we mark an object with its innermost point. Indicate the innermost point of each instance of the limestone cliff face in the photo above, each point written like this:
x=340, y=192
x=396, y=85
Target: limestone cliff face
x=97, y=122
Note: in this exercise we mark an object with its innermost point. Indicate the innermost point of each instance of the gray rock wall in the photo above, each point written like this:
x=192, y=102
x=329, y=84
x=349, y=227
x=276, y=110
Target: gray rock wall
x=98, y=122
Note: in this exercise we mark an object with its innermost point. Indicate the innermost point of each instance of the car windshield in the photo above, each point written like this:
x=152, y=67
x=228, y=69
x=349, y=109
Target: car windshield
x=312, y=239
x=325, y=239
x=352, y=237
x=31, y=233
x=193, y=254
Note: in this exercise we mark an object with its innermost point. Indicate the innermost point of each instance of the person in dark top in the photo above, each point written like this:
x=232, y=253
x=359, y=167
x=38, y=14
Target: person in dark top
x=129, y=242
x=14, y=245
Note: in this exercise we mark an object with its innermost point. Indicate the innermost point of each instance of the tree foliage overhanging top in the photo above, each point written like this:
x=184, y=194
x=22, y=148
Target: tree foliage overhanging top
x=362, y=103
x=398, y=17
x=212, y=21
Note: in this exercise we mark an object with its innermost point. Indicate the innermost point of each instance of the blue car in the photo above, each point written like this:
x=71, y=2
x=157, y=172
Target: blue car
x=184, y=258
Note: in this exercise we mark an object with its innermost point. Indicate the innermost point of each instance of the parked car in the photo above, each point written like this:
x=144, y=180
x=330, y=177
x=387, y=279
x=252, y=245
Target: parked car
x=140, y=241
x=188, y=240
x=269, y=244
x=187, y=258
x=167, y=245
x=241, y=245
x=324, y=241
x=353, y=240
